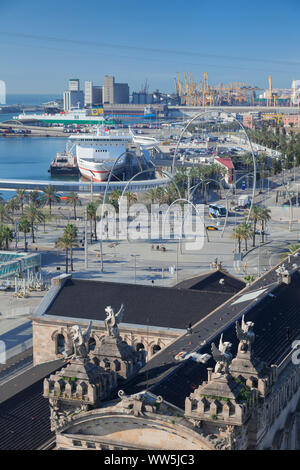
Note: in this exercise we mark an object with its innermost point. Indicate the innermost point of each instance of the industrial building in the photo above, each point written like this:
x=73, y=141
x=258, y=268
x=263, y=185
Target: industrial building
x=115, y=93
x=92, y=94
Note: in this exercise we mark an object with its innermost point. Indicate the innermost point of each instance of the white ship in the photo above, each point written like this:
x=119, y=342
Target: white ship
x=97, y=153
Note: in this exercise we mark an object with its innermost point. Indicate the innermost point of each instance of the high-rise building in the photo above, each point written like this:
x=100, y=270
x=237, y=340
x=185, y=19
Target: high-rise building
x=2, y=92
x=74, y=84
x=114, y=93
x=73, y=99
x=92, y=94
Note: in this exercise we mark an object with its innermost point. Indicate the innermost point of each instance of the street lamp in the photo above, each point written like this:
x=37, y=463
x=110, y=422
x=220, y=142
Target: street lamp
x=135, y=257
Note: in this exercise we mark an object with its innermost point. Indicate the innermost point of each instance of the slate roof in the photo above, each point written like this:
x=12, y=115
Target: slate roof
x=24, y=412
x=169, y=307
x=277, y=325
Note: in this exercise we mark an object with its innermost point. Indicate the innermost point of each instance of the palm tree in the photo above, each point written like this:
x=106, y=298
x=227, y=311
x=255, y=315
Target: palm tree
x=64, y=243
x=264, y=218
x=6, y=235
x=21, y=197
x=34, y=215
x=34, y=197
x=255, y=217
x=50, y=196
x=131, y=197
x=24, y=226
x=13, y=205
x=71, y=231
x=114, y=198
x=151, y=195
x=92, y=216
x=238, y=234
x=4, y=213
x=73, y=200
x=246, y=232
x=291, y=250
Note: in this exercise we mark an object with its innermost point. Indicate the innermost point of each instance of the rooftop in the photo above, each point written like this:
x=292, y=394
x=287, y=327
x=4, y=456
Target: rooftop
x=168, y=307
x=277, y=325
x=24, y=412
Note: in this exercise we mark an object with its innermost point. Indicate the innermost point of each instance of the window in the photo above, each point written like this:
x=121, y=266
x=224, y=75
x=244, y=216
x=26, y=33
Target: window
x=156, y=348
x=92, y=344
x=61, y=344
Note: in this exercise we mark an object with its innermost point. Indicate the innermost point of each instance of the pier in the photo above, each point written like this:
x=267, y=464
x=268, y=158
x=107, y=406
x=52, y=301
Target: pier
x=81, y=187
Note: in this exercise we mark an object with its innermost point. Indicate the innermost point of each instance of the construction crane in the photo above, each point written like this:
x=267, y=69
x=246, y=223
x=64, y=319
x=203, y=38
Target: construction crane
x=203, y=94
x=272, y=98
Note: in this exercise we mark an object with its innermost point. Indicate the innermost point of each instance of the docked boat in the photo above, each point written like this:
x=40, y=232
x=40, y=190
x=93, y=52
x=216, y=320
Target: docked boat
x=97, y=153
x=64, y=163
x=75, y=116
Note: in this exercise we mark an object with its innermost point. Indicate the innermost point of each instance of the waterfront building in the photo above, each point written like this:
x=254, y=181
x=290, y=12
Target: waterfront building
x=2, y=92
x=73, y=99
x=74, y=84
x=92, y=94
x=114, y=93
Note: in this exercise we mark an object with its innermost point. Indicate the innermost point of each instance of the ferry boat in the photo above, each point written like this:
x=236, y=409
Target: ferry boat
x=146, y=113
x=91, y=116
x=96, y=153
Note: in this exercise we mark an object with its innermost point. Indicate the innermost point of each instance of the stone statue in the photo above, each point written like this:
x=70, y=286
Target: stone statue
x=80, y=339
x=222, y=356
x=245, y=334
x=112, y=321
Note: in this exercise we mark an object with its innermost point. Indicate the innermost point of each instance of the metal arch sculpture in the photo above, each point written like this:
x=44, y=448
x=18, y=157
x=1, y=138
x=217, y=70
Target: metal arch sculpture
x=148, y=170
x=202, y=113
x=190, y=203
x=207, y=179
x=226, y=197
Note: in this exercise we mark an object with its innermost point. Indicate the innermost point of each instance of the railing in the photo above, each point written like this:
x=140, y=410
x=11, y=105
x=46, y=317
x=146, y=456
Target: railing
x=69, y=186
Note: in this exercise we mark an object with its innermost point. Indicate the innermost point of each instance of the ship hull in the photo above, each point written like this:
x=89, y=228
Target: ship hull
x=99, y=171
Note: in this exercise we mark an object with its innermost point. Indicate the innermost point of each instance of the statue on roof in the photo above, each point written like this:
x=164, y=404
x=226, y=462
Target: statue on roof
x=245, y=334
x=112, y=320
x=80, y=339
x=222, y=356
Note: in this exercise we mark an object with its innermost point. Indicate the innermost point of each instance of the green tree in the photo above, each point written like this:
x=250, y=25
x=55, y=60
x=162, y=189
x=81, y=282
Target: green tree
x=73, y=200
x=254, y=217
x=6, y=235
x=265, y=216
x=21, y=197
x=24, y=226
x=50, y=196
x=92, y=217
x=238, y=234
x=71, y=231
x=35, y=198
x=67, y=242
x=34, y=216
x=4, y=214
x=247, y=232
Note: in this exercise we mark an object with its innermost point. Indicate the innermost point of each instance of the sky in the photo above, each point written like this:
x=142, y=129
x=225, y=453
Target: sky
x=43, y=44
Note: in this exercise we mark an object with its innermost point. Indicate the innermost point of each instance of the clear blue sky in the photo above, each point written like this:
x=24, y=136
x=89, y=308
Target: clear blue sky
x=42, y=44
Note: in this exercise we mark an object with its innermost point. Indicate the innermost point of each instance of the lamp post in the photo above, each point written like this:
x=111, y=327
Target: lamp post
x=135, y=256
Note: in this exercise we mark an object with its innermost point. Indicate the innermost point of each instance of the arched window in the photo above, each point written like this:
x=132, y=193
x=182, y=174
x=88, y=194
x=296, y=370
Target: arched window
x=156, y=348
x=92, y=344
x=139, y=346
x=60, y=344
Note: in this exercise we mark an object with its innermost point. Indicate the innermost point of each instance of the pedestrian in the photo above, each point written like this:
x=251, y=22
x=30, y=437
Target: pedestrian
x=189, y=328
